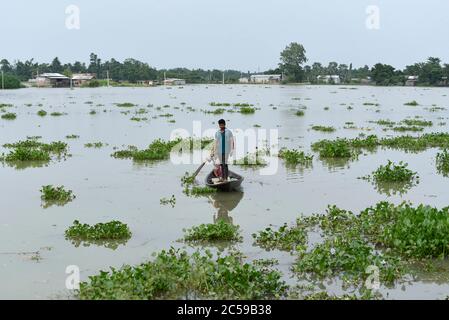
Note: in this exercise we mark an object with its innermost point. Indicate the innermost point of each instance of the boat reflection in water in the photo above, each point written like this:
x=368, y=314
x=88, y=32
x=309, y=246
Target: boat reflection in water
x=225, y=202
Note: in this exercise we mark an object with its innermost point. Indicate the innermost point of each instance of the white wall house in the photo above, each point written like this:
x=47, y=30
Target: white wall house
x=335, y=79
x=174, y=82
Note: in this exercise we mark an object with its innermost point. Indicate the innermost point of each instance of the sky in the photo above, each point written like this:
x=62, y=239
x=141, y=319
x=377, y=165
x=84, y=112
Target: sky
x=246, y=35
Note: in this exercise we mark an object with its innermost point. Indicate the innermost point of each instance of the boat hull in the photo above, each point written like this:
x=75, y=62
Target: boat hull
x=227, y=185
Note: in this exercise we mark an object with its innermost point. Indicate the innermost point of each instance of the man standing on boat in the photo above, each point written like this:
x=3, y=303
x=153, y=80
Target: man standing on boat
x=223, y=149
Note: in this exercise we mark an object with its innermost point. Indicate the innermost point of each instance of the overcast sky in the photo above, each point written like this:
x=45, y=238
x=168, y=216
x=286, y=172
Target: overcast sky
x=226, y=34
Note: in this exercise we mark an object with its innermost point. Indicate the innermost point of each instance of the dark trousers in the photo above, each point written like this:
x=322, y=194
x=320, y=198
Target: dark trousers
x=224, y=167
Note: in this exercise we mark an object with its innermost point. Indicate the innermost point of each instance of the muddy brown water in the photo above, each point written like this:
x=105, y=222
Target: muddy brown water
x=34, y=253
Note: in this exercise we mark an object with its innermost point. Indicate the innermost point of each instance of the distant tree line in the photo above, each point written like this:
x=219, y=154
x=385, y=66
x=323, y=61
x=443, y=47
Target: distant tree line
x=293, y=58
x=130, y=70
x=292, y=65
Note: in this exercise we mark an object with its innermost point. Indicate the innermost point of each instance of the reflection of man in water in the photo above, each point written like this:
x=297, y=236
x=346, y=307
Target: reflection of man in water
x=222, y=212
x=223, y=149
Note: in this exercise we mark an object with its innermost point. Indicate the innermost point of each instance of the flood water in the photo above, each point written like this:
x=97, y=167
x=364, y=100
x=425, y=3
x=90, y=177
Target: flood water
x=34, y=253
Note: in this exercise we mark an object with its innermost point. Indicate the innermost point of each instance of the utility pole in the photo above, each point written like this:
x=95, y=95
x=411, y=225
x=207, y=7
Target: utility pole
x=107, y=75
x=223, y=76
x=3, y=81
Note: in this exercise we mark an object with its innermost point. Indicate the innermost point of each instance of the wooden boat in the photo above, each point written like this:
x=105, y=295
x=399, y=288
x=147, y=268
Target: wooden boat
x=234, y=183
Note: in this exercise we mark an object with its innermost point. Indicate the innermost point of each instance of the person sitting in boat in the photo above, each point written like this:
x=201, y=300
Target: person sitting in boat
x=222, y=150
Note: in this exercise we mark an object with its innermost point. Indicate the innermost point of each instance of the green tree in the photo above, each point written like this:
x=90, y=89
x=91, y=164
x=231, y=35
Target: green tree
x=292, y=59
x=56, y=66
x=10, y=81
x=386, y=75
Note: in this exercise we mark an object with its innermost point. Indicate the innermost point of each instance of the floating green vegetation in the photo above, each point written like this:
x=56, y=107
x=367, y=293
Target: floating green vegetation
x=171, y=201
x=442, y=162
x=212, y=232
x=138, y=119
x=348, y=257
x=220, y=104
x=187, y=179
x=254, y=159
x=92, y=112
x=350, y=246
x=323, y=128
x=197, y=191
x=157, y=150
x=406, y=143
x=414, y=232
x=384, y=122
x=95, y=145
x=51, y=195
x=413, y=103
x=175, y=274
x=113, y=230
x=247, y=110
x=72, y=136
x=33, y=150
x=417, y=122
x=371, y=104
x=299, y=113
x=408, y=128
x=242, y=105
x=285, y=238
x=57, y=114
x=339, y=148
x=215, y=111
x=9, y=116
x=5, y=105
x=435, y=109
x=125, y=105
x=42, y=113
x=392, y=172
x=295, y=157
x=323, y=296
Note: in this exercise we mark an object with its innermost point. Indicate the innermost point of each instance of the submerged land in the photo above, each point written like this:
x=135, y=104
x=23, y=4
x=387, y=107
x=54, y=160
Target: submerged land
x=360, y=190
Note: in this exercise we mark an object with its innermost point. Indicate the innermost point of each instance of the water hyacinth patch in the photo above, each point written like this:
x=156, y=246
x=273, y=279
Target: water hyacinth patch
x=251, y=160
x=414, y=232
x=339, y=148
x=198, y=191
x=406, y=143
x=56, y=195
x=294, y=157
x=220, y=231
x=171, y=201
x=33, y=150
x=9, y=116
x=285, y=238
x=392, y=172
x=417, y=122
x=95, y=145
x=113, y=230
x=347, y=258
x=413, y=103
x=175, y=274
x=323, y=128
x=125, y=105
x=157, y=150
x=442, y=162
x=247, y=110
x=42, y=113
